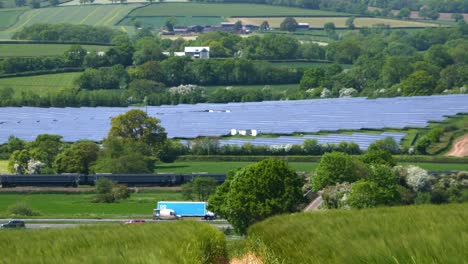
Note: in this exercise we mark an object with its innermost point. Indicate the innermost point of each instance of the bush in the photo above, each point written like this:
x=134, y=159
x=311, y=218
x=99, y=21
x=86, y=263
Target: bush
x=108, y=191
x=22, y=209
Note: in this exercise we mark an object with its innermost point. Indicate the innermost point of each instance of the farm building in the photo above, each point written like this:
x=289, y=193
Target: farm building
x=198, y=52
x=302, y=26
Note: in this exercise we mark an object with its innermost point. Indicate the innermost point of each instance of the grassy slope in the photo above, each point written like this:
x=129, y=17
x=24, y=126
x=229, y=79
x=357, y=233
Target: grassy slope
x=8, y=17
x=32, y=50
x=225, y=10
x=169, y=242
x=226, y=166
x=96, y=15
x=40, y=83
x=423, y=234
x=78, y=205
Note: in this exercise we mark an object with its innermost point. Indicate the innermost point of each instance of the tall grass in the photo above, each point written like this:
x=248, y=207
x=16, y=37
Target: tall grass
x=164, y=242
x=413, y=234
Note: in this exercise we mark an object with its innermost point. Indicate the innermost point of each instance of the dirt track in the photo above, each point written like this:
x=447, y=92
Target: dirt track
x=459, y=148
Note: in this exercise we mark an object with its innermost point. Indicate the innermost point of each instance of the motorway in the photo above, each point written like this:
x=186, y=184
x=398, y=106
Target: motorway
x=66, y=223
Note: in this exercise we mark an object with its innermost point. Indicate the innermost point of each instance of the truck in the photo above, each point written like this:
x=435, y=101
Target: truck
x=167, y=210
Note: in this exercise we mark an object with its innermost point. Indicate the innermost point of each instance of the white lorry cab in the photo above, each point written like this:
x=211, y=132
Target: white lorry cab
x=165, y=214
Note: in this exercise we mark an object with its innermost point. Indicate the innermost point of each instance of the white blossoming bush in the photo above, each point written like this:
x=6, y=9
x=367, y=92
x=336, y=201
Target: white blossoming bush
x=416, y=178
x=336, y=196
x=34, y=166
x=325, y=93
x=186, y=89
x=348, y=92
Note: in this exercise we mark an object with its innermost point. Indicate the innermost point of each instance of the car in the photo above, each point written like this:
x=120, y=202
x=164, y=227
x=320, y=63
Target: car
x=13, y=223
x=135, y=221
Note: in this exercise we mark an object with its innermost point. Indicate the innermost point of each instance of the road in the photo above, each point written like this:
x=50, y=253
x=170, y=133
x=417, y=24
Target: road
x=315, y=204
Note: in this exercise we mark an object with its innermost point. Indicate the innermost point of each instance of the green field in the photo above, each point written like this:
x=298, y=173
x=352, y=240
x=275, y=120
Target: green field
x=159, y=22
x=411, y=234
x=96, y=15
x=9, y=17
x=80, y=205
x=226, y=166
x=164, y=242
x=4, y=166
x=225, y=10
x=304, y=64
x=40, y=84
x=33, y=50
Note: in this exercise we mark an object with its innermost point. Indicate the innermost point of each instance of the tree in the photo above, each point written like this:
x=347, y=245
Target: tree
x=78, y=158
x=54, y=2
x=238, y=26
x=74, y=56
x=45, y=148
x=329, y=27
x=264, y=26
x=34, y=3
x=404, y=13
x=200, y=188
x=337, y=167
x=289, y=24
x=458, y=17
x=350, y=23
x=378, y=156
x=438, y=55
x=387, y=144
x=256, y=192
x=364, y=194
x=170, y=23
x=108, y=191
x=418, y=83
x=137, y=126
x=429, y=13
x=19, y=3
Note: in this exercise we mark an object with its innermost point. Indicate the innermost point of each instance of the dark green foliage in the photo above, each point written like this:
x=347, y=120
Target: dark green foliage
x=200, y=188
x=378, y=156
x=387, y=144
x=257, y=192
x=66, y=32
x=21, y=209
x=103, y=78
x=289, y=24
x=108, y=191
x=337, y=167
x=78, y=158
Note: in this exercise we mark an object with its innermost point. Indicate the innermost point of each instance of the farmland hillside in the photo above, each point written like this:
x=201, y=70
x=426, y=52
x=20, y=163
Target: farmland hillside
x=416, y=234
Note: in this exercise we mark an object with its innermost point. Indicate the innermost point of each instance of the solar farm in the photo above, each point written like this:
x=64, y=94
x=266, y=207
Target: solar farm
x=270, y=117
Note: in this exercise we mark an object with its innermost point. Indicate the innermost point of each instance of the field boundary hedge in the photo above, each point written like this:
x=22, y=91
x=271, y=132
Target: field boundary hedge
x=398, y=158
x=54, y=42
x=43, y=72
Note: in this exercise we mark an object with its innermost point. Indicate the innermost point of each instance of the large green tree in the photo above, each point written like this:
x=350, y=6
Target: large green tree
x=289, y=24
x=256, y=192
x=78, y=158
x=337, y=167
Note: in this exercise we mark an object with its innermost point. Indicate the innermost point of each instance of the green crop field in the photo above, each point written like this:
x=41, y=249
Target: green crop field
x=40, y=83
x=220, y=167
x=96, y=15
x=225, y=10
x=34, y=50
x=159, y=22
x=318, y=22
x=163, y=242
x=3, y=166
x=80, y=205
x=226, y=166
x=9, y=17
x=411, y=234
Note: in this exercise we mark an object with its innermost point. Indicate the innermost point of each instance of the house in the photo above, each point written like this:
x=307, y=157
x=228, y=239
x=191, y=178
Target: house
x=198, y=52
x=302, y=26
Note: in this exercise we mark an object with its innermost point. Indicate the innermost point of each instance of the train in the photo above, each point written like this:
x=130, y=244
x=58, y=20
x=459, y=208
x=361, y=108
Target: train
x=73, y=180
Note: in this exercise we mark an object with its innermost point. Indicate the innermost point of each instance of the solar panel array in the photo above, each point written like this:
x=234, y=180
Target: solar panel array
x=278, y=117
x=362, y=139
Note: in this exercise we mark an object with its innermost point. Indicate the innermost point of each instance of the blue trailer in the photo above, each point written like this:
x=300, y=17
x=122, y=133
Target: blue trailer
x=186, y=209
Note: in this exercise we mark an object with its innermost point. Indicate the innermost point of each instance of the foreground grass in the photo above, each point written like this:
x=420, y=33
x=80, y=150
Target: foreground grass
x=80, y=205
x=33, y=50
x=413, y=234
x=166, y=242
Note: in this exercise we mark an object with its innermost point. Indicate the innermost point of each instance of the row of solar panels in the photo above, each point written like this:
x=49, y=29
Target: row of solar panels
x=276, y=117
